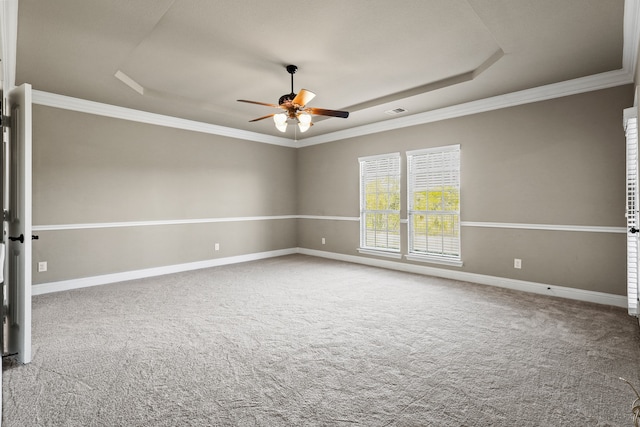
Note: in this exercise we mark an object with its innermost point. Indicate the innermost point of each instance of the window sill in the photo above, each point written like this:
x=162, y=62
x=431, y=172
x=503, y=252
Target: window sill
x=387, y=254
x=434, y=260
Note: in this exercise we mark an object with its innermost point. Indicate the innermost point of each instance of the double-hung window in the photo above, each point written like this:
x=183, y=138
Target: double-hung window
x=380, y=204
x=433, y=198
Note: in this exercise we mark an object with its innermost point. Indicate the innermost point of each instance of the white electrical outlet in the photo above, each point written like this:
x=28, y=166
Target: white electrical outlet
x=217, y=246
x=42, y=266
x=323, y=241
x=517, y=263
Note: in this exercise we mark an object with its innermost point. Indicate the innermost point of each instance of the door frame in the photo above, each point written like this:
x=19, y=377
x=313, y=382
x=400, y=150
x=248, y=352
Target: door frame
x=18, y=219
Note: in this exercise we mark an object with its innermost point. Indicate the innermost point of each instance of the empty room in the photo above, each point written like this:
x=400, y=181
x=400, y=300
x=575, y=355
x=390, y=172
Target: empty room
x=332, y=213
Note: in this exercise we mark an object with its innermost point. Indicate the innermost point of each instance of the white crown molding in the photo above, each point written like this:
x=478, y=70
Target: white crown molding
x=114, y=111
x=631, y=35
x=542, y=93
x=502, y=282
x=631, y=41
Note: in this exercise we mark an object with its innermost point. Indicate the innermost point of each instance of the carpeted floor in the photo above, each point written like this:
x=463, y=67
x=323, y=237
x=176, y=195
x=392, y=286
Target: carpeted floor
x=303, y=341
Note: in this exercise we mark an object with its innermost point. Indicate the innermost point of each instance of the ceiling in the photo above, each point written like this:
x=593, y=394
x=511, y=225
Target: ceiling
x=193, y=59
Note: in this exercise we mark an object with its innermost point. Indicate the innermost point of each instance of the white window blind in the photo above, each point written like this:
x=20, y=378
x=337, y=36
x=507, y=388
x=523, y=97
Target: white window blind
x=433, y=197
x=631, y=131
x=380, y=202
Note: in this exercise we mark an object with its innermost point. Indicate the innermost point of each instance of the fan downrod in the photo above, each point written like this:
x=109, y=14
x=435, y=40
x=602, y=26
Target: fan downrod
x=291, y=69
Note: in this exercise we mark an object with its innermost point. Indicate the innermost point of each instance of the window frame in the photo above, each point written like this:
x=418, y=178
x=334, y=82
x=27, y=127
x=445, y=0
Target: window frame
x=632, y=210
x=392, y=252
x=425, y=255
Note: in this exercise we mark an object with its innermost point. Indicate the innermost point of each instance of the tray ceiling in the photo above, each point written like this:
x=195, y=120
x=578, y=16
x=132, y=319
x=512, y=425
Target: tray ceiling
x=193, y=59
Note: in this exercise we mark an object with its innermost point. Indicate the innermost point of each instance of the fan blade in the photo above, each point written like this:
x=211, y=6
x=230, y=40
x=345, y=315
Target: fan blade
x=330, y=113
x=259, y=103
x=303, y=97
x=263, y=117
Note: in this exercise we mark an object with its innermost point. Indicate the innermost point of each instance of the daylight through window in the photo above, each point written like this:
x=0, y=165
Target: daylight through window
x=380, y=202
x=433, y=197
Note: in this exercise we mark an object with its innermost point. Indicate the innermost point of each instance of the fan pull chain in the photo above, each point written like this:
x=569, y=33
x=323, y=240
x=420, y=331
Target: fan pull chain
x=635, y=406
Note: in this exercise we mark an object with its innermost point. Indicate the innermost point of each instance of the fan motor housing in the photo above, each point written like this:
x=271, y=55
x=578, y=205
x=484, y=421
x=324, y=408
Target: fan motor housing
x=288, y=97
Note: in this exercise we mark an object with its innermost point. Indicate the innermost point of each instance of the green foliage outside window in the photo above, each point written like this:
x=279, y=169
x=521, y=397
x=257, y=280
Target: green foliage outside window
x=440, y=205
x=382, y=197
x=383, y=194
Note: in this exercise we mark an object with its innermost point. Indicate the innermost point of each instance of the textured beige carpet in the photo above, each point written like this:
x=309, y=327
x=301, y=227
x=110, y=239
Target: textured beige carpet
x=303, y=341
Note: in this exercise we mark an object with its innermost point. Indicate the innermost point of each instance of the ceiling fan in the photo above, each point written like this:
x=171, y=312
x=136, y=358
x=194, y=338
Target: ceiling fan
x=295, y=106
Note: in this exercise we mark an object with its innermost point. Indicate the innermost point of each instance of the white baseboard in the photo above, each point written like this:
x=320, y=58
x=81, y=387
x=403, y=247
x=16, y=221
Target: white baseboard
x=84, y=282
x=520, y=285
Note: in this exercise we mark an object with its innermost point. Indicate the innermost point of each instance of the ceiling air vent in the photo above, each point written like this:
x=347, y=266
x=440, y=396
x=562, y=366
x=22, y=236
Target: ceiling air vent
x=395, y=111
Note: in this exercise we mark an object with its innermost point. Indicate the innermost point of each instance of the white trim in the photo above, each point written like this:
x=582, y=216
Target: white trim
x=129, y=82
x=386, y=254
x=434, y=260
x=57, y=227
x=446, y=148
x=631, y=208
x=631, y=35
x=65, y=285
x=379, y=157
x=628, y=114
x=24, y=297
x=519, y=285
x=91, y=107
x=330, y=218
x=542, y=93
x=548, y=227
x=9, y=40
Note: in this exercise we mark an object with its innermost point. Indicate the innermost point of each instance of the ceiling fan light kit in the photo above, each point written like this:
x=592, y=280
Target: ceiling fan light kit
x=295, y=107
x=281, y=121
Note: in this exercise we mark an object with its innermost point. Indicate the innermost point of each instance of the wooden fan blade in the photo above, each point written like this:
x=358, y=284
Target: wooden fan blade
x=259, y=103
x=303, y=97
x=330, y=113
x=263, y=117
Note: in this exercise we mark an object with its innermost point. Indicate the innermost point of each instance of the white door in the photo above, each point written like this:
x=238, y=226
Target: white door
x=632, y=210
x=18, y=225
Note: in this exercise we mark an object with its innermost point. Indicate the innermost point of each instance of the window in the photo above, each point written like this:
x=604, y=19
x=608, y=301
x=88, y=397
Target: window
x=433, y=198
x=380, y=204
x=633, y=215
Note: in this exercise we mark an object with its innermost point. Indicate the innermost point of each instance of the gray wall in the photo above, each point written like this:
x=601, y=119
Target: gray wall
x=558, y=162
x=94, y=169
